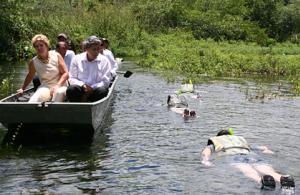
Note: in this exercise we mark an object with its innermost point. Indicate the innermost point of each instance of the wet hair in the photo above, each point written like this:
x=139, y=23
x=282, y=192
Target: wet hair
x=40, y=37
x=192, y=113
x=223, y=132
x=92, y=40
x=186, y=112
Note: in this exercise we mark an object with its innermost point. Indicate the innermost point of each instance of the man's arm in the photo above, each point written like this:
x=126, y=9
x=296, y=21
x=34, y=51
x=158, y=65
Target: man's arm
x=265, y=150
x=114, y=64
x=103, y=77
x=262, y=149
x=29, y=77
x=206, y=154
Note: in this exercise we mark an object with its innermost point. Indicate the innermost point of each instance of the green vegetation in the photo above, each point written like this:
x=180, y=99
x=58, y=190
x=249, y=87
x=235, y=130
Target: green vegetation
x=192, y=37
x=6, y=87
x=227, y=58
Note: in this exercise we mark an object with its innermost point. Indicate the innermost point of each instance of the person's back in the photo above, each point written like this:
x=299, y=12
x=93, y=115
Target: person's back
x=225, y=143
x=229, y=145
x=177, y=101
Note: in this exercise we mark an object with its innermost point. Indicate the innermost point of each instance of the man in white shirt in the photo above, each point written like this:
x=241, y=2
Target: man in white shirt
x=90, y=74
x=62, y=48
x=110, y=56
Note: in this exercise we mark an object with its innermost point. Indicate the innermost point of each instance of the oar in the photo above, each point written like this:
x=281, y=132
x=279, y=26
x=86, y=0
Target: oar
x=126, y=74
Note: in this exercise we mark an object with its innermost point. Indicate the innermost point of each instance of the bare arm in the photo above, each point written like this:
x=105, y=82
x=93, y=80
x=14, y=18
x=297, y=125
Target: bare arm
x=206, y=154
x=63, y=70
x=265, y=150
x=29, y=77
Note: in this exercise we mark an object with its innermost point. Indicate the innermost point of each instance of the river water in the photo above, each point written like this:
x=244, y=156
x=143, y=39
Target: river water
x=146, y=149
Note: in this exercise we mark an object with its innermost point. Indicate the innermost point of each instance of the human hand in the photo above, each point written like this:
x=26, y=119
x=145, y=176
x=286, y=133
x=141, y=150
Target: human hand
x=53, y=89
x=267, y=151
x=20, y=92
x=87, y=89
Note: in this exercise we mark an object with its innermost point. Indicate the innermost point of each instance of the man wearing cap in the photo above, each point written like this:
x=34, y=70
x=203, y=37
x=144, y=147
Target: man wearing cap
x=64, y=38
x=67, y=49
x=89, y=74
x=110, y=56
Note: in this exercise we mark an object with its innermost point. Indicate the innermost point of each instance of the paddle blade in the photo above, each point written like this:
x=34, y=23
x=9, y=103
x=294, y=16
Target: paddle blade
x=127, y=74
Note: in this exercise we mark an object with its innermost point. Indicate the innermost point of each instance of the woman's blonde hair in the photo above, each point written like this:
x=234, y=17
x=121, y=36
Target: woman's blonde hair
x=40, y=37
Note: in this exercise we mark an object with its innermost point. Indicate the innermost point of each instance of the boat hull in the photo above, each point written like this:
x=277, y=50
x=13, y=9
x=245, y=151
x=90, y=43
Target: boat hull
x=60, y=114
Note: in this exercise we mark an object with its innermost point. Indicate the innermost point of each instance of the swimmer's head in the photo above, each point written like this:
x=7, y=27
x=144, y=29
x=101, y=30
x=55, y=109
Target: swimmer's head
x=192, y=113
x=186, y=112
x=223, y=132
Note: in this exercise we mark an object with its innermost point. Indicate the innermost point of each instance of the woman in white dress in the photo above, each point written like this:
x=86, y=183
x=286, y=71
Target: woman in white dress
x=51, y=70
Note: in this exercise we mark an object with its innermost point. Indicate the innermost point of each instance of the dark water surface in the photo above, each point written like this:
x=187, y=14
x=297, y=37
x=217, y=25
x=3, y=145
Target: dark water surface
x=146, y=149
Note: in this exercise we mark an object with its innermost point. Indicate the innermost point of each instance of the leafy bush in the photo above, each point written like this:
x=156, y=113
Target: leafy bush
x=192, y=37
x=180, y=52
x=13, y=27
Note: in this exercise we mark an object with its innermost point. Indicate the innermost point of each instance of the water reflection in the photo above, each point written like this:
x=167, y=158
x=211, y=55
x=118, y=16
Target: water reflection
x=57, y=168
x=55, y=161
x=13, y=74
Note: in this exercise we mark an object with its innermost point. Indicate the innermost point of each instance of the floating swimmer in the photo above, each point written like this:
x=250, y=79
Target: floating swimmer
x=186, y=88
x=188, y=91
x=225, y=143
x=188, y=113
x=178, y=103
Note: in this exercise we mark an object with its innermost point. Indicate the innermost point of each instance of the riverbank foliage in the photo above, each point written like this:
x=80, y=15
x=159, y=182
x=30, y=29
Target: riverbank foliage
x=192, y=37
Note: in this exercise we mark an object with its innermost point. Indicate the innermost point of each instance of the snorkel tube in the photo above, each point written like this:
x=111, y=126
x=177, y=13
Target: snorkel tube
x=230, y=131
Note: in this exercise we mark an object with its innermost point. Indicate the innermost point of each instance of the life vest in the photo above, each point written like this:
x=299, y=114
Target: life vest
x=187, y=88
x=230, y=144
x=177, y=101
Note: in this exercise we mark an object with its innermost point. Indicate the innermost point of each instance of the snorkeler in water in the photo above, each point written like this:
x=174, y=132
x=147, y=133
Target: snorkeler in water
x=178, y=104
x=225, y=143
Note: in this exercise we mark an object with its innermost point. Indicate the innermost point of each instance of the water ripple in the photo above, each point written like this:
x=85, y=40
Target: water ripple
x=147, y=149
